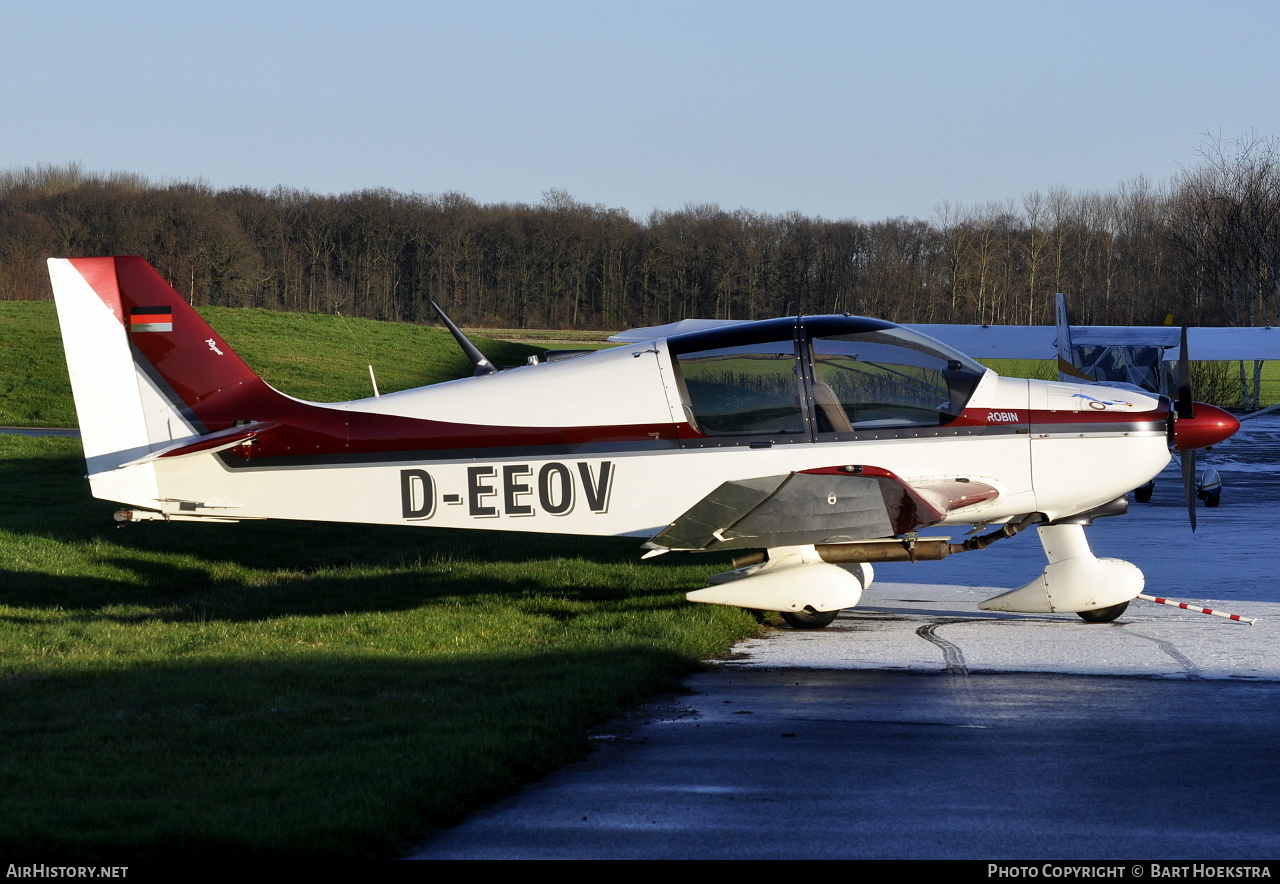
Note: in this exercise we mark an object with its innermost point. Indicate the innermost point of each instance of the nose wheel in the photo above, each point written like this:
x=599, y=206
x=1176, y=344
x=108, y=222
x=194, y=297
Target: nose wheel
x=1103, y=615
x=808, y=618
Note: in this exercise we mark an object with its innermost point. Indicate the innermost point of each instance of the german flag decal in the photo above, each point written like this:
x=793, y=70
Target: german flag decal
x=151, y=319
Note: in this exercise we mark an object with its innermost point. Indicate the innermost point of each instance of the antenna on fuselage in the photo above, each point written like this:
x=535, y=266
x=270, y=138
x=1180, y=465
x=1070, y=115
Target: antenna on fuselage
x=373, y=380
x=483, y=365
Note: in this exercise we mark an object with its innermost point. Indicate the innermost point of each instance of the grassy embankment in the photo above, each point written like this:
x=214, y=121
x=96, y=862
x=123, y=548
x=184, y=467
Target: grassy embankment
x=325, y=358
x=321, y=358
x=296, y=690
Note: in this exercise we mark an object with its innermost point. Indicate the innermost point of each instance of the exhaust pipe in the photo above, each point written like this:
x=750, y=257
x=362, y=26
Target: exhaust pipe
x=926, y=549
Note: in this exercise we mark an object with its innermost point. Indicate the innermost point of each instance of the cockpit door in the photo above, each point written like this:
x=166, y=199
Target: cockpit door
x=866, y=384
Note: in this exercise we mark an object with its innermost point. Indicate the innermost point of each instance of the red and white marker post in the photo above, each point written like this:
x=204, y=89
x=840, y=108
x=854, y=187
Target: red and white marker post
x=1185, y=606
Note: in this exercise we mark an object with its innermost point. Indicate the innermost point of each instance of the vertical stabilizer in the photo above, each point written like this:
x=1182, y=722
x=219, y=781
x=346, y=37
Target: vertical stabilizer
x=145, y=369
x=104, y=383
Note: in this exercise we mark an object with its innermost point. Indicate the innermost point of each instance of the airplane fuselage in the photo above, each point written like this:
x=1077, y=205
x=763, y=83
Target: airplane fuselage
x=822, y=440
x=539, y=465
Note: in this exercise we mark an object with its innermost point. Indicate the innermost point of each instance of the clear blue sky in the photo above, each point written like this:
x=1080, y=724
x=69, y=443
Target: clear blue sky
x=862, y=110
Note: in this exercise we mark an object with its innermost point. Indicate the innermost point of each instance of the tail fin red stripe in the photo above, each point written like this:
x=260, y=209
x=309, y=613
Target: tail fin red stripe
x=100, y=273
x=200, y=369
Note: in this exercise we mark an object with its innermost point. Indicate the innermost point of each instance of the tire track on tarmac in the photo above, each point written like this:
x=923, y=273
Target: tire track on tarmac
x=1188, y=667
x=973, y=713
x=952, y=656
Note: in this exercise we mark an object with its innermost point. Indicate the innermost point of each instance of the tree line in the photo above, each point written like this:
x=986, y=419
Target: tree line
x=1204, y=246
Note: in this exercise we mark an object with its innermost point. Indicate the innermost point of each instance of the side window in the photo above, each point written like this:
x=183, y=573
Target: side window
x=885, y=379
x=744, y=390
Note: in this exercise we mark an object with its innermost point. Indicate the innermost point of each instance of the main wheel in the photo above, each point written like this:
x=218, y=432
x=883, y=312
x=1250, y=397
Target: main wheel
x=1142, y=494
x=1103, y=615
x=808, y=618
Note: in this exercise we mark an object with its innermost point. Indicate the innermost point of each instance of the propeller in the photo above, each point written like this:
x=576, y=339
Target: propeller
x=1195, y=425
x=1186, y=409
x=1186, y=405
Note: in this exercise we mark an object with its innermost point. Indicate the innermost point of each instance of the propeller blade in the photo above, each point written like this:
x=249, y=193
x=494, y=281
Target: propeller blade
x=1186, y=408
x=1186, y=405
x=1189, y=483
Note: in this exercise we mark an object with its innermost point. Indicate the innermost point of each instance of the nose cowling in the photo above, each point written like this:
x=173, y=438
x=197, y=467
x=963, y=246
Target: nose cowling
x=1210, y=426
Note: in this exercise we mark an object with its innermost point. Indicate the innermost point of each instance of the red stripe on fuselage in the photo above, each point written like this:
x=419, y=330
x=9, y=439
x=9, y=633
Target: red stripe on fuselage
x=317, y=431
x=1088, y=416
x=981, y=417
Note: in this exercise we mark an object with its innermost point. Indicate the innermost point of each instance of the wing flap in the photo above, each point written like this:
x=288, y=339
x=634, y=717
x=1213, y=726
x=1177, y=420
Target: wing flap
x=830, y=505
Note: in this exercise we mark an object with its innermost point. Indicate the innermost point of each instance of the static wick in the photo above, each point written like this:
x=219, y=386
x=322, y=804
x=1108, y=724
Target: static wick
x=1185, y=606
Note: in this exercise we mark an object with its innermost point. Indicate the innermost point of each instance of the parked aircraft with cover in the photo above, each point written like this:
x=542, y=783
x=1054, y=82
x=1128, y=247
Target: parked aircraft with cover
x=822, y=443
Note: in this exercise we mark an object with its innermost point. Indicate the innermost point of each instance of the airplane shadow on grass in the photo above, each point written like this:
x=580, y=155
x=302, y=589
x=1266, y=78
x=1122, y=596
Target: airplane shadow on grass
x=311, y=755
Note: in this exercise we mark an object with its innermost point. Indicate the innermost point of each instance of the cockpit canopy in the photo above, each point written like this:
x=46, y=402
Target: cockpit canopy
x=818, y=377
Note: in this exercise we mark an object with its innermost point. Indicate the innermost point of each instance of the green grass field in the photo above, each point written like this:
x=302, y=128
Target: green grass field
x=297, y=690
x=311, y=356
x=302, y=690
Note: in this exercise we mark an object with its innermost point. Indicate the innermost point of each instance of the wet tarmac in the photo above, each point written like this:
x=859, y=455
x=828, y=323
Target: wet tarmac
x=922, y=728
x=917, y=726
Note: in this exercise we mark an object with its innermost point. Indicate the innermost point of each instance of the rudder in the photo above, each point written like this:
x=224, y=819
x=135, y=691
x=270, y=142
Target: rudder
x=145, y=369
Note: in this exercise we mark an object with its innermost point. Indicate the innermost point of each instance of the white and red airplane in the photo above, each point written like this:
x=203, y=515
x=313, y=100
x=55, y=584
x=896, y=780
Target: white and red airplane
x=824, y=443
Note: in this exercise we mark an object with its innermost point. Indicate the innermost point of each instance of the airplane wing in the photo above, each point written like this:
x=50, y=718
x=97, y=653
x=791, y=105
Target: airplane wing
x=652, y=332
x=1040, y=341
x=828, y=505
x=996, y=341
x=1230, y=344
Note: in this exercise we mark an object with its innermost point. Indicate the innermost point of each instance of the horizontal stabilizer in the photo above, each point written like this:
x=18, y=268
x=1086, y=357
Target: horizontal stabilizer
x=211, y=443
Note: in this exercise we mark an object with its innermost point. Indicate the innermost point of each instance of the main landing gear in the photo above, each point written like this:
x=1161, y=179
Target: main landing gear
x=1209, y=488
x=808, y=589
x=808, y=592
